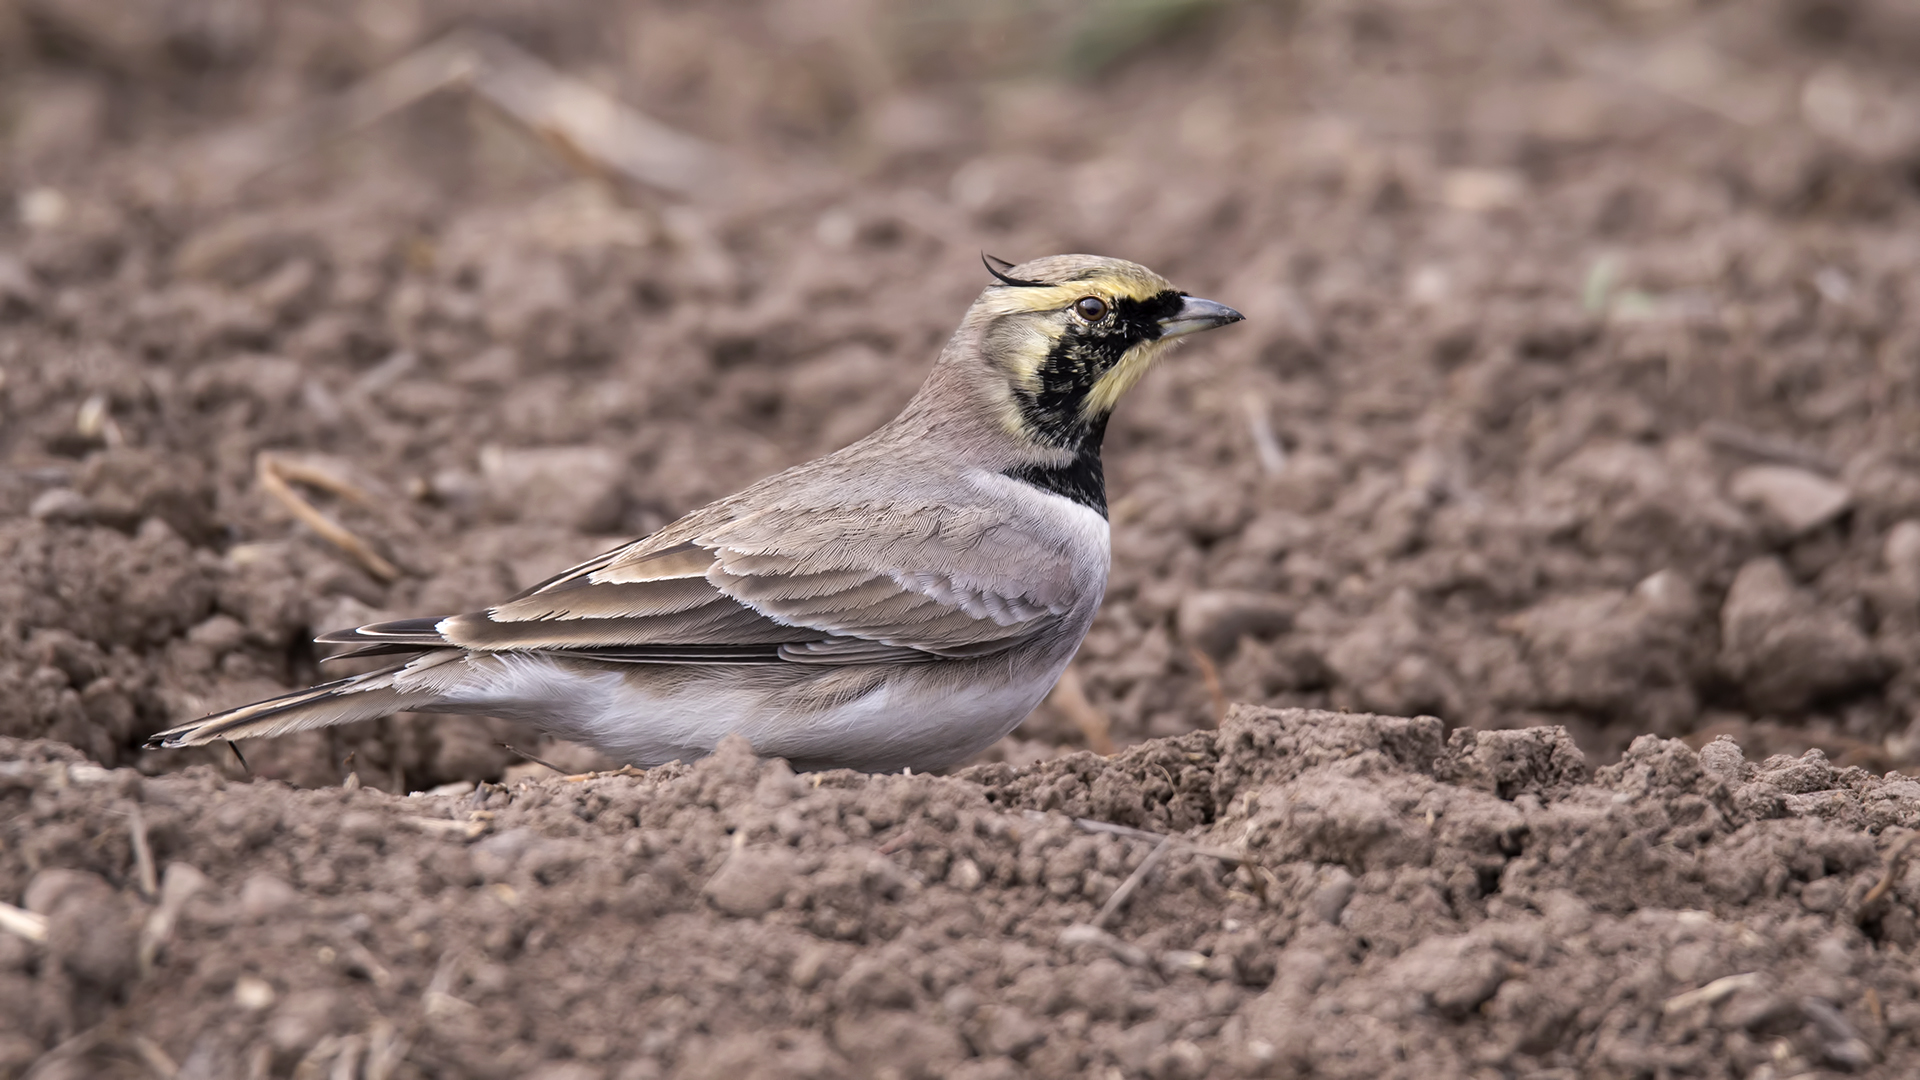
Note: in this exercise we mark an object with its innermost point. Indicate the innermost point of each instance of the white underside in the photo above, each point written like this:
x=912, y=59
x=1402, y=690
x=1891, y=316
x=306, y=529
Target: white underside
x=911, y=720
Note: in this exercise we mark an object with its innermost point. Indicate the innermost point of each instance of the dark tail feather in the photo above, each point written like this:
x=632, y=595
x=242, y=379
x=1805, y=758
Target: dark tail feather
x=358, y=697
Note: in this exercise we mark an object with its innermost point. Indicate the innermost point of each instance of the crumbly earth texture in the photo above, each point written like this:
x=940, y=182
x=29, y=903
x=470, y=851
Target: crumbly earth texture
x=1308, y=894
x=1579, y=392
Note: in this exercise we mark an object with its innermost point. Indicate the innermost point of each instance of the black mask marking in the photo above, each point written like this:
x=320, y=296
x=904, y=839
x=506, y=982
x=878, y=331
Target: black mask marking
x=1084, y=354
x=1077, y=362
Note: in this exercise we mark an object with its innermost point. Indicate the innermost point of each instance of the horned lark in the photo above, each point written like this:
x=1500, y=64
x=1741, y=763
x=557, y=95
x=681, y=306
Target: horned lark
x=901, y=603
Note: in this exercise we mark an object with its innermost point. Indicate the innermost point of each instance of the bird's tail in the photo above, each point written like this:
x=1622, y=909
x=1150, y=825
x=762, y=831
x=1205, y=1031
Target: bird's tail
x=392, y=689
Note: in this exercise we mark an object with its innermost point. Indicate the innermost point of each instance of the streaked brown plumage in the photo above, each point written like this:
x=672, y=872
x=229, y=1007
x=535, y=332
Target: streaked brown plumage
x=903, y=602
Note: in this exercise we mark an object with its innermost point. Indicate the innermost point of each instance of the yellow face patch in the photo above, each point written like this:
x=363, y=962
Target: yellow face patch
x=1074, y=341
x=1120, y=378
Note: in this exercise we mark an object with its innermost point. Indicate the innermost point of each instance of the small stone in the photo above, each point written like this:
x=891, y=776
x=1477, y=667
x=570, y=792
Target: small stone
x=1009, y=1031
x=1135, y=1047
x=1330, y=898
x=495, y=857
x=127, y=487
x=1691, y=962
x=777, y=785
x=48, y=886
x=1077, y=934
x=1783, y=648
x=263, y=896
x=1181, y=1059
x=965, y=874
x=1902, y=555
x=304, y=1019
x=815, y=964
x=1183, y=962
x=179, y=883
x=752, y=882
x=1533, y=762
x=1794, y=501
x=61, y=506
x=876, y=983
x=960, y=1002
x=456, y=487
x=86, y=774
x=1215, y=620
x=1453, y=974
x=1835, y=953
x=1824, y=895
x=1566, y=914
x=221, y=634
x=567, y=1070
x=576, y=486
x=900, y=1043
x=17, y=955
x=1627, y=655
x=18, y=289
x=89, y=928
x=239, y=248
x=1751, y=1007
x=252, y=993
x=365, y=826
x=1722, y=757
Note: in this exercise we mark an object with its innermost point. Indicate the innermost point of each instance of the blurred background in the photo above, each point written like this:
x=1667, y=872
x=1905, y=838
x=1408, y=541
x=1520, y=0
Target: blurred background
x=1580, y=383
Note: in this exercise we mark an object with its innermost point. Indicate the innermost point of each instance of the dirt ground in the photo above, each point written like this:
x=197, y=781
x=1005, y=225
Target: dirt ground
x=1578, y=401
x=1349, y=896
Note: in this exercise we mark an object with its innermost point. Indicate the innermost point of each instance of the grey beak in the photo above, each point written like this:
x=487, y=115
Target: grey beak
x=1197, y=314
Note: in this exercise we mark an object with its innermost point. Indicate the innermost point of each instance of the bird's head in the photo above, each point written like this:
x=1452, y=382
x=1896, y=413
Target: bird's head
x=1071, y=334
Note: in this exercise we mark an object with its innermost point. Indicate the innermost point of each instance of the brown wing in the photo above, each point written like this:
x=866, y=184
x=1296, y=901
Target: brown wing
x=885, y=584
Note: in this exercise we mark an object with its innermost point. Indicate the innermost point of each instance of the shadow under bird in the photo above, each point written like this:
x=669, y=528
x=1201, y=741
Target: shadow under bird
x=901, y=603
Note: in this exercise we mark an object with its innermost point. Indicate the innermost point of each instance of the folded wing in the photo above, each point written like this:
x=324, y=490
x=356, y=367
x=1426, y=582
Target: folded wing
x=875, y=584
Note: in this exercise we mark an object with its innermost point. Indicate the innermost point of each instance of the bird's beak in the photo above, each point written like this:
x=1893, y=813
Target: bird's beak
x=1195, y=315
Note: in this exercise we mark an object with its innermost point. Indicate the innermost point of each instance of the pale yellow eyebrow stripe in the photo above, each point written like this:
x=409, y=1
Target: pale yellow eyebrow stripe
x=1018, y=300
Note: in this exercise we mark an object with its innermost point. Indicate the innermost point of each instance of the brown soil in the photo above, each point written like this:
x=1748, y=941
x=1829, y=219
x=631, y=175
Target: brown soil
x=1580, y=387
x=1350, y=896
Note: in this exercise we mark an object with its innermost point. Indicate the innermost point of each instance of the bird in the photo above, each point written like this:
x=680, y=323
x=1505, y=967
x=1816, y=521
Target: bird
x=899, y=604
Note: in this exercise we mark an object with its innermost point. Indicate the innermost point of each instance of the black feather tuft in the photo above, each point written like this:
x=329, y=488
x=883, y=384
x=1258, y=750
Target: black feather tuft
x=998, y=267
x=1081, y=480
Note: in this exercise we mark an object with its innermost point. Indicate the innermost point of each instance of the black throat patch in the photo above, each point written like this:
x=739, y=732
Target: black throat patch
x=1053, y=411
x=1082, y=480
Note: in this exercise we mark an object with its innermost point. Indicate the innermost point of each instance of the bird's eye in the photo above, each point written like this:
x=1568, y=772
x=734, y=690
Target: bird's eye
x=1090, y=308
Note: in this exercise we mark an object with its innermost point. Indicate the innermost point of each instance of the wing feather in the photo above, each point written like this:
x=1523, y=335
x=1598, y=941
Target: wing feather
x=622, y=600
x=894, y=582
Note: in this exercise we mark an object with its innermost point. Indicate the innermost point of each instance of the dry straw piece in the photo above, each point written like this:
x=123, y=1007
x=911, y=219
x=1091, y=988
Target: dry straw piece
x=277, y=476
x=586, y=127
